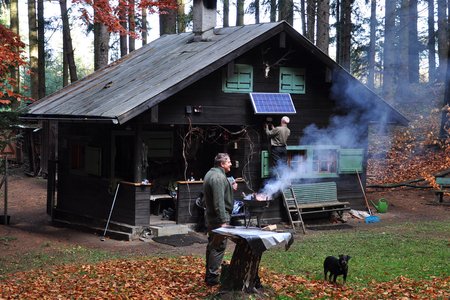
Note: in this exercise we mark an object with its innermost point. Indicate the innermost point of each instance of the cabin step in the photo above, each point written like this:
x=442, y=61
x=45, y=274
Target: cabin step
x=169, y=229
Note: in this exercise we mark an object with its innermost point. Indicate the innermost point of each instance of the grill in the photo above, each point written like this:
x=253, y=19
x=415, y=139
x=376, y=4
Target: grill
x=255, y=205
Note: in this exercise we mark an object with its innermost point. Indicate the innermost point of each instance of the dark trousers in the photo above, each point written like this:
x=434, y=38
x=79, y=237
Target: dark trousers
x=278, y=155
x=215, y=251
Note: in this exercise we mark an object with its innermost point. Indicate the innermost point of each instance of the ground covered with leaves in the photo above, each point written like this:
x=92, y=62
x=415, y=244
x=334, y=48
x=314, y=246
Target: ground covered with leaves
x=182, y=278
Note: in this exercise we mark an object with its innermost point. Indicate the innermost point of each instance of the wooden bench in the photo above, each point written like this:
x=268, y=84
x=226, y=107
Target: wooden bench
x=444, y=184
x=318, y=197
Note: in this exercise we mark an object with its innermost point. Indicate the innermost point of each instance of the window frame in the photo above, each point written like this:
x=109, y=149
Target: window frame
x=238, y=79
x=289, y=85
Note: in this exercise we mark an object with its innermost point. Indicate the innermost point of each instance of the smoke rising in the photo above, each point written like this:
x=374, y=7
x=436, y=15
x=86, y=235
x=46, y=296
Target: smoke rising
x=356, y=107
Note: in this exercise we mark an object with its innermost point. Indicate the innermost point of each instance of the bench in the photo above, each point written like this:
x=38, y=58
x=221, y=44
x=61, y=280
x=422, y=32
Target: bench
x=444, y=184
x=318, y=197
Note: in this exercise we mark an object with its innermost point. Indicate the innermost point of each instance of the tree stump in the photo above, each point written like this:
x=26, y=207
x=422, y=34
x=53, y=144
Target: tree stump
x=242, y=273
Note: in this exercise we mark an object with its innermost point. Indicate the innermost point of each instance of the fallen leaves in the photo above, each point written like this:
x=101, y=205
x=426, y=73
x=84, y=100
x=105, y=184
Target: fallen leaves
x=182, y=278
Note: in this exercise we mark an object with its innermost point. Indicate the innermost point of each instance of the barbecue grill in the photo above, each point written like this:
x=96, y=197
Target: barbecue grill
x=254, y=206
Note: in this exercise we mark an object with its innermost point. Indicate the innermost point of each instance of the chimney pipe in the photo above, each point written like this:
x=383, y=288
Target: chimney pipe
x=204, y=16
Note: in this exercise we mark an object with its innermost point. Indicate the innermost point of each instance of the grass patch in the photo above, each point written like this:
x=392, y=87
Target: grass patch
x=414, y=250
x=48, y=256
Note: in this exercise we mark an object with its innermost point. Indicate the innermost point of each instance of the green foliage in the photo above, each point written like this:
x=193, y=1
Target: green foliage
x=415, y=250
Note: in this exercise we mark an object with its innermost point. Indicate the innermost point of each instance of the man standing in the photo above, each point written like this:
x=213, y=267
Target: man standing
x=218, y=196
x=278, y=141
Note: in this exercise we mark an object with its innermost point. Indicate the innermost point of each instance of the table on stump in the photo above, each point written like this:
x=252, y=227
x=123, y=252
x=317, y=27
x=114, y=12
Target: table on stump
x=242, y=274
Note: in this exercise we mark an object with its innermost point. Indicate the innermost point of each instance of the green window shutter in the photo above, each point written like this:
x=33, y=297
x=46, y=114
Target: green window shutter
x=240, y=82
x=350, y=161
x=292, y=80
x=264, y=164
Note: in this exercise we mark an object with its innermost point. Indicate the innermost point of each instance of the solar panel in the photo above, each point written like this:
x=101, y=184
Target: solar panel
x=272, y=103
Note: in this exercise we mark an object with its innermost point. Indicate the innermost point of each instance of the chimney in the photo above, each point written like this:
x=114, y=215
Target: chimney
x=204, y=19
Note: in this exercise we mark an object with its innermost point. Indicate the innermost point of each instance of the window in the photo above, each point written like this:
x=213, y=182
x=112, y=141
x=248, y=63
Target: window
x=240, y=82
x=158, y=144
x=292, y=80
x=312, y=161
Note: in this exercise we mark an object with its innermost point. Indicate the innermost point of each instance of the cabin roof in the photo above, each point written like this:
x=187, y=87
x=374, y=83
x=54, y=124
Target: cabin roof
x=140, y=80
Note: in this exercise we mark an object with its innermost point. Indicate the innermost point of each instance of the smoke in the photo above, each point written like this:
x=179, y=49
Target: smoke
x=347, y=127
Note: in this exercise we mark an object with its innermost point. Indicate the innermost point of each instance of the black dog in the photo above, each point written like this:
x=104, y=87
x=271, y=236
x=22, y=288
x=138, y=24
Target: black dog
x=336, y=266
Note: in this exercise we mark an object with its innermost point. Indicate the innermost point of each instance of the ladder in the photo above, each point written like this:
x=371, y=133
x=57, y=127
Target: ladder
x=290, y=203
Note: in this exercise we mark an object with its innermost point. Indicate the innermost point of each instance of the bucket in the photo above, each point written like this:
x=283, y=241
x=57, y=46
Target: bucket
x=382, y=205
x=372, y=219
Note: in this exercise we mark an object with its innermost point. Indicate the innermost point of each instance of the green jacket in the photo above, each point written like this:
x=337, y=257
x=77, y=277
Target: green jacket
x=218, y=196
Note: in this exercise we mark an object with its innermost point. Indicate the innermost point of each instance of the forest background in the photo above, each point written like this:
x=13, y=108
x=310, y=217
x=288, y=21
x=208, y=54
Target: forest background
x=398, y=48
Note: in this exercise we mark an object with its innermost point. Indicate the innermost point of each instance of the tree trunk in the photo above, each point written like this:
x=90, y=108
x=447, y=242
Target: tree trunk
x=101, y=43
x=168, y=21
x=444, y=132
x=286, y=11
x=431, y=43
x=41, y=48
x=131, y=24
x=239, y=12
x=257, y=12
x=226, y=13
x=403, y=51
x=273, y=10
x=346, y=33
x=303, y=16
x=181, y=16
x=124, y=23
x=390, y=55
x=144, y=26
x=311, y=20
x=67, y=42
x=442, y=39
x=323, y=20
x=33, y=48
x=371, y=51
x=14, y=26
x=413, y=55
x=338, y=31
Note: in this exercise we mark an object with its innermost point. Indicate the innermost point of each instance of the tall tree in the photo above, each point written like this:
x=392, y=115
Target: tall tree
x=311, y=9
x=131, y=25
x=144, y=25
x=390, y=54
x=286, y=11
x=226, y=13
x=239, y=12
x=431, y=43
x=372, y=42
x=41, y=48
x=181, y=16
x=345, y=33
x=303, y=16
x=14, y=26
x=323, y=22
x=414, y=46
x=123, y=22
x=33, y=49
x=101, y=37
x=403, y=49
x=273, y=10
x=442, y=39
x=167, y=21
x=68, y=51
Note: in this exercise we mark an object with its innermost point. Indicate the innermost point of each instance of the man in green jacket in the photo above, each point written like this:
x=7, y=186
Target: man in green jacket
x=218, y=196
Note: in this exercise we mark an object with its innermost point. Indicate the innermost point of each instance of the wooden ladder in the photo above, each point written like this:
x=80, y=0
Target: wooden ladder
x=290, y=203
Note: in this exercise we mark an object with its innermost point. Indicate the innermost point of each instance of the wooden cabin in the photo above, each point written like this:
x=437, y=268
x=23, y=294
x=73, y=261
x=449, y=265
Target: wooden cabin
x=156, y=118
